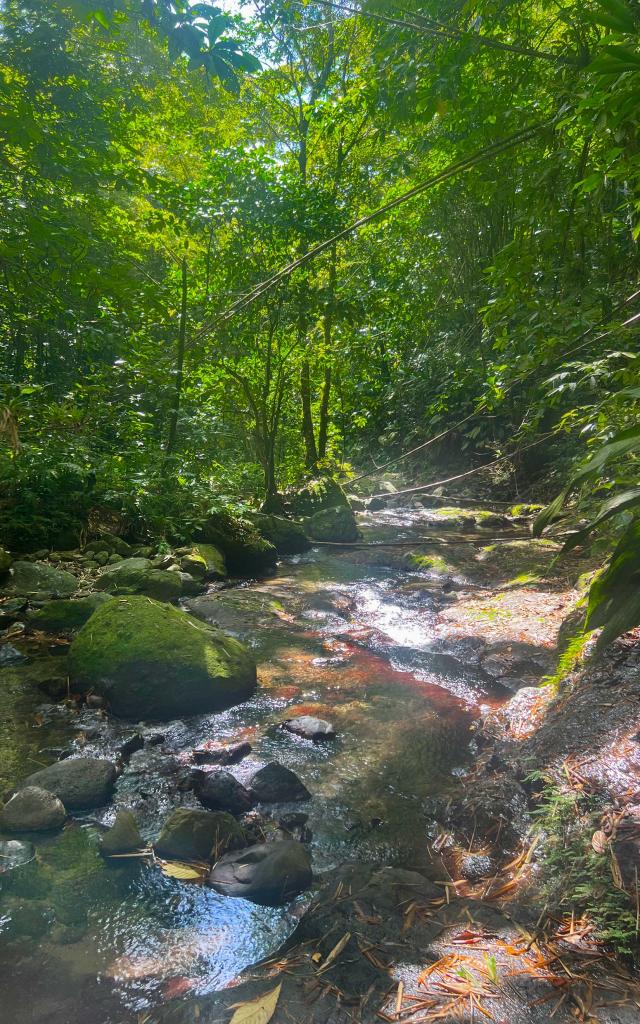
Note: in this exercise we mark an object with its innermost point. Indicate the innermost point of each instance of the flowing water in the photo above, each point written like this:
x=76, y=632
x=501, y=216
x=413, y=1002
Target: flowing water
x=342, y=633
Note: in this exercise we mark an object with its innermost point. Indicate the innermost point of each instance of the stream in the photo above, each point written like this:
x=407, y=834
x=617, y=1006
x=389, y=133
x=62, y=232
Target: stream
x=346, y=634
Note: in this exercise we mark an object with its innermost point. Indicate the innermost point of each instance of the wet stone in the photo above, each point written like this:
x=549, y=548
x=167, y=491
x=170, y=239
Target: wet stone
x=269, y=874
x=276, y=784
x=220, y=791
x=222, y=755
x=198, y=835
x=80, y=783
x=123, y=836
x=32, y=809
x=310, y=728
x=14, y=853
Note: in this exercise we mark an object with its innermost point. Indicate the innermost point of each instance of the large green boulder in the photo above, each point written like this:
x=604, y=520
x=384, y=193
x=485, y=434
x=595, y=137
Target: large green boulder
x=138, y=576
x=205, y=562
x=5, y=560
x=151, y=660
x=317, y=495
x=35, y=579
x=66, y=615
x=199, y=835
x=334, y=524
x=244, y=549
x=287, y=537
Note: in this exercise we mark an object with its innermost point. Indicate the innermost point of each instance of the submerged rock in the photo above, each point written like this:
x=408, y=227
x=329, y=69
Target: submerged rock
x=276, y=784
x=310, y=728
x=138, y=576
x=34, y=579
x=14, y=853
x=269, y=874
x=67, y=615
x=287, y=537
x=154, y=661
x=32, y=809
x=334, y=524
x=244, y=549
x=80, y=783
x=123, y=836
x=220, y=791
x=222, y=754
x=198, y=835
x=10, y=655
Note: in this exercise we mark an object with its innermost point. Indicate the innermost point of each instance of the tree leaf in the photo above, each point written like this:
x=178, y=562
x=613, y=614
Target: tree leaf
x=183, y=872
x=257, y=1011
x=614, y=597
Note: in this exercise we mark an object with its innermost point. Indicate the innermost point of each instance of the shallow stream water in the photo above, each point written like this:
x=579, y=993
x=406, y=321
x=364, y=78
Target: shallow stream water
x=346, y=634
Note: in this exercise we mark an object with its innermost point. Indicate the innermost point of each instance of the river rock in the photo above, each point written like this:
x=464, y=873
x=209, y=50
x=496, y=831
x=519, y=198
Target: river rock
x=66, y=615
x=5, y=560
x=310, y=728
x=80, y=782
x=138, y=576
x=230, y=754
x=269, y=874
x=198, y=835
x=10, y=610
x=316, y=495
x=10, y=655
x=151, y=660
x=111, y=543
x=334, y=524
x=34, y=579
x=123, y=836
x=32, y=809
x=287, y=537
x=220, y=791
x=14, y=853
x=276, y=784
x=245, y=551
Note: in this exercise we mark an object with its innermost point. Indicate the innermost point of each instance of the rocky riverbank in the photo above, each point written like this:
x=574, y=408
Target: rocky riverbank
x=398, y=720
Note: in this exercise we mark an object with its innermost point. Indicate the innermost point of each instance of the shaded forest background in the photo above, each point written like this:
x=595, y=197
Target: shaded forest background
x=158, y=163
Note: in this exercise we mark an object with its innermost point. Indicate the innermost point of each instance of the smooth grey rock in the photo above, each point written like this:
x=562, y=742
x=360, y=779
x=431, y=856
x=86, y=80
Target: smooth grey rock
x=32, y=809
x=80, y=782
x=220, y=791
x=276, y=784
x=269, y=874
x=310, y=728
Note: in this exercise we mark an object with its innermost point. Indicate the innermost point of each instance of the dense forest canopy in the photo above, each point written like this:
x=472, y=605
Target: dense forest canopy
x=237, y=249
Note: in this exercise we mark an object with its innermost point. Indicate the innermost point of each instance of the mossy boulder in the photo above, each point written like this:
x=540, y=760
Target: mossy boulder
x=205, y=562
x=66, y=615
x=151, y=660
x=287, y=537
x=111, y=543
x=244, y=549
x=5, y=560
x=317, y=495
x=138, y=576
x=334, y=524
x=199, y=835
x=35, y=579
x=123, y=836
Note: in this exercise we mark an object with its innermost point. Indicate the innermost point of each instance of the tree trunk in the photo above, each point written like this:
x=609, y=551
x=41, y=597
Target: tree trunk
x=323, y=430
x=311, y=452
x=177, y=391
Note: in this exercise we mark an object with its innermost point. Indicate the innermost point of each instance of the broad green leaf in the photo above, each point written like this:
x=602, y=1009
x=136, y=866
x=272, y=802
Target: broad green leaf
x=622, y=444
x=619, y=503
x=614, y=598
x=620, y=12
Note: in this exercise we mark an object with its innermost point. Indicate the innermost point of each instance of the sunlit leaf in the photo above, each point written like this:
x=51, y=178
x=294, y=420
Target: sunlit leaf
x=257, y=1011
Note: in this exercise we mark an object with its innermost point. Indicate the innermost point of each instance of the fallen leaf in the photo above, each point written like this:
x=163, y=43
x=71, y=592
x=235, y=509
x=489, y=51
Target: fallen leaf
x=183, y=872
x=257, y=1011
x=599, y=841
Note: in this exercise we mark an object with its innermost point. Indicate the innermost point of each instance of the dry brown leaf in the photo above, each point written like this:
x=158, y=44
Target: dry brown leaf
x=599, y=841
x=257, y=1011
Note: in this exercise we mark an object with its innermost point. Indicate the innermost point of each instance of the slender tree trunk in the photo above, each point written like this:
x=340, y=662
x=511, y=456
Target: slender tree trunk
x=323, y=427
x=311, y=452
x=177, y=391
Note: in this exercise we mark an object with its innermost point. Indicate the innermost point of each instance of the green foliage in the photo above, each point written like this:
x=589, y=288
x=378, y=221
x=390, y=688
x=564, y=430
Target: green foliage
x=574, y=876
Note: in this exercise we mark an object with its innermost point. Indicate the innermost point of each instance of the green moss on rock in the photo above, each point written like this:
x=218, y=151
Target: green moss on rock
x=317, y=495
x=5, y=560
x=66, y=615
x=334, y=524
x=152, y=660
x=287, y=537
x=138, y=576
x=199, y=835
x=37, y=579
x=244, y=549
